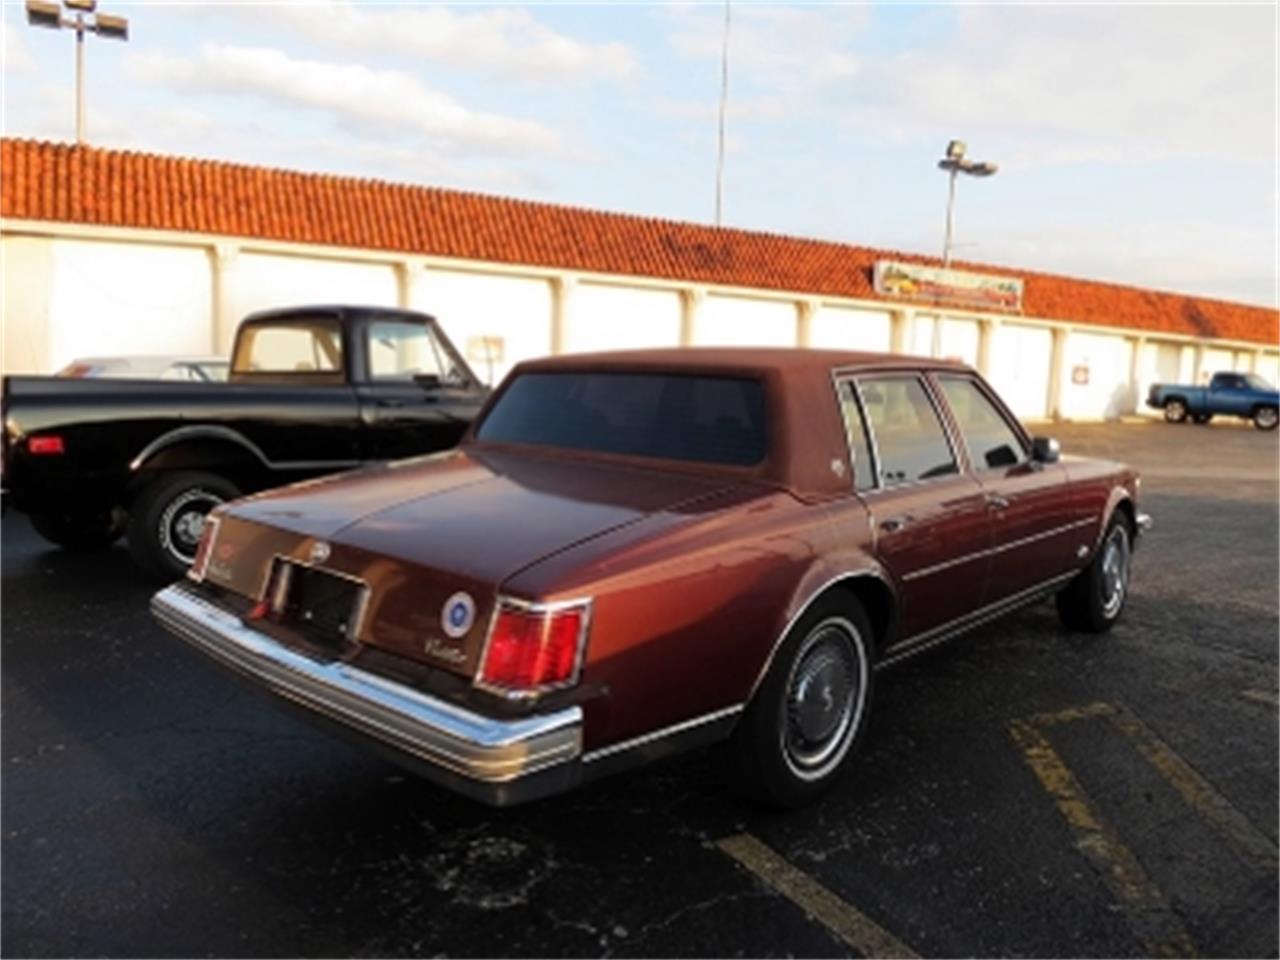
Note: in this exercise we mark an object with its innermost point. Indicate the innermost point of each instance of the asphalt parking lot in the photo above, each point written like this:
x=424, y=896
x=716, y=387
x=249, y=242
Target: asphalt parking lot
x=1023, y=791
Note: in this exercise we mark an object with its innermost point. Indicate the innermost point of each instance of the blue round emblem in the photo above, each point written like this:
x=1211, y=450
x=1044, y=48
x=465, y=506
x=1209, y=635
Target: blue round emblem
x=458, y=615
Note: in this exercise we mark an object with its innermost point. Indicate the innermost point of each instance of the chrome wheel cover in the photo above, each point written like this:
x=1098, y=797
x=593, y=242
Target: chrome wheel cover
x=1266, y=417
x=1175, y=411
x=1115, y=571
x=825, y=694
x=182, y=523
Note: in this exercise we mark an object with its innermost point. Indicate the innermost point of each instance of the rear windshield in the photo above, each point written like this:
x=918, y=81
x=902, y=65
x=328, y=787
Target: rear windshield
x=668, y=416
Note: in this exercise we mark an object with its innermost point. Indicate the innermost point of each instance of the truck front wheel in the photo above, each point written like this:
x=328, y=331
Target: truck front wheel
x=81, y=531
x=168, y=518
x=1175, y=411
x=1264, y=418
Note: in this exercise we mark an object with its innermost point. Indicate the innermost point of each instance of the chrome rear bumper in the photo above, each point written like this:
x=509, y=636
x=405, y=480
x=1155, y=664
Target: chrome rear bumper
x=489, y=759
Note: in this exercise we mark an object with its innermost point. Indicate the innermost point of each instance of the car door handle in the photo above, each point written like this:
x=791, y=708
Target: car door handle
x=997, y=502
x=894, y=524
x=389, y=402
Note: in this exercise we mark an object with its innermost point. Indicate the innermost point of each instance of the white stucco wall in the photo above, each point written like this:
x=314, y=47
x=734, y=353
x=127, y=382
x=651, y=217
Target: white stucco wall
x=1216, y=361
x=514, y=312
x=605, y=317
x=27, y=264
x=842, y=328
x=1104, y=361
x=1020, y=368
x=957, y=339
x=920, y=335
x=113, y=299
x=1269, y=367
x=743, y=322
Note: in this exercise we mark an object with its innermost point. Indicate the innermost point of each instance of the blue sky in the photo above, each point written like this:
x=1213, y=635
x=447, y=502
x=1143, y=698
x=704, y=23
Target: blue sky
x=1136, y=143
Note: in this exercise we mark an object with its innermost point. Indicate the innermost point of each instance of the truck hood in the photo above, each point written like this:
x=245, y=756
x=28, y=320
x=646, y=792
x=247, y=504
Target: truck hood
x=419, y=532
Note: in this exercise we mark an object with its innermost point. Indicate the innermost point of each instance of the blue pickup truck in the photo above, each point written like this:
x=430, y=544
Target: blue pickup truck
x=1244, y=395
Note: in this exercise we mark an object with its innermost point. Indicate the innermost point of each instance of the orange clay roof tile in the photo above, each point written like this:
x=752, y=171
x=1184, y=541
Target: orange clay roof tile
x=58, y=182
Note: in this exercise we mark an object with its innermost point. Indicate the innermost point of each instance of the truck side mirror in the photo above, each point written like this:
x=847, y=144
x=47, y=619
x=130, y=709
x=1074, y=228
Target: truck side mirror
x=1045, y=450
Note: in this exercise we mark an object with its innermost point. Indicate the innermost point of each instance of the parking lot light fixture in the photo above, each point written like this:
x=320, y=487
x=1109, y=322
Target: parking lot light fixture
x=955, y=162
x=82, y=17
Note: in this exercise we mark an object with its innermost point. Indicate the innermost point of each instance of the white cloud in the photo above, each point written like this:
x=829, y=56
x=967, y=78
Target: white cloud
x=1059, y=85
x=17, y=58
x=503, y=42
x=390, y=104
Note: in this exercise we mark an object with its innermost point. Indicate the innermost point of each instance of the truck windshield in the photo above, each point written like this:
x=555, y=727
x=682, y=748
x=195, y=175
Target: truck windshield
x=667, y=416
x=1257, y=382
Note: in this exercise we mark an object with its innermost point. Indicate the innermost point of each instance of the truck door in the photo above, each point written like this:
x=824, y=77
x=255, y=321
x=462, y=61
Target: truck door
x=1228, y=393
x=416, y=396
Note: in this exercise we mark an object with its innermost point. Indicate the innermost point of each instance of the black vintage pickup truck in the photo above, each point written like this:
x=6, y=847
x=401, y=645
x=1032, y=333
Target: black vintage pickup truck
x=312, y=390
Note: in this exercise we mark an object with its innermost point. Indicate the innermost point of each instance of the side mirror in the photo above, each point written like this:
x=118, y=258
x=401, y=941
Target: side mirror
x=1045, y=450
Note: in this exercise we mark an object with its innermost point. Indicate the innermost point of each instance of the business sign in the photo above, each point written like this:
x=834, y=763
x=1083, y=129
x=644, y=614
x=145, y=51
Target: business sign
x=912, y=282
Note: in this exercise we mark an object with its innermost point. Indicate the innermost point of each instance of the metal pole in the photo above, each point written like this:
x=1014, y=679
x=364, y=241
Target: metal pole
x=80, y=80
x=951, y=204
x=724, y=99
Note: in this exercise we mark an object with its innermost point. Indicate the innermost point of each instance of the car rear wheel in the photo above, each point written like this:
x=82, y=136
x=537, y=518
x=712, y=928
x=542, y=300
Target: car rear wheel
x=810, y=711
x=168, y=518
x=1094, y=600
x=81, y=531
x=1175, y=411
x=1264, y=418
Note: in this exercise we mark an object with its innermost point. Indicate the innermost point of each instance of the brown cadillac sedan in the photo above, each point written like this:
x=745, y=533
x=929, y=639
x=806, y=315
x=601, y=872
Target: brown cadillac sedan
x=635, y=553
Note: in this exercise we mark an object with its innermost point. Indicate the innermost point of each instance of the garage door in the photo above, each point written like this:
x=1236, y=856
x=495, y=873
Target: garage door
x=495, y=321
x=1020, y=368
x=1158, y=363
x=742, y=322
x=603, y=317
x=843, y=328
x=958, y=340
x=1216, y=361
x=1095, y=377
x=1269, y=367
x=114, y=299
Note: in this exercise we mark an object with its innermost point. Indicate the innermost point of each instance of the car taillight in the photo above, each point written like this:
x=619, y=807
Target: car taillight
x=204, y=550
x=44, y=446
x=533, y=648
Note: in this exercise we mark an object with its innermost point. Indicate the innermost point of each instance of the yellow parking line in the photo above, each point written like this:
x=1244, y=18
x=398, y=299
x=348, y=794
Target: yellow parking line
x=1150, y=917
x=1196, y=791
x=1269, y=697
x=1098, y=709
x=845, y=921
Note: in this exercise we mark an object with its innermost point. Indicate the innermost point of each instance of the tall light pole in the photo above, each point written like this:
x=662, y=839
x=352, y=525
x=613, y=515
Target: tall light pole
x=724, y=101
x=955, y=163
x=82, y=18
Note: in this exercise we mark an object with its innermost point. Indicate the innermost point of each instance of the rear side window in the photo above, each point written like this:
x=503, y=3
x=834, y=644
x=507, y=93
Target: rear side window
x=864, y=474
x=667, y=416
x=314, y=347
x=910, y=440
x=992, y=442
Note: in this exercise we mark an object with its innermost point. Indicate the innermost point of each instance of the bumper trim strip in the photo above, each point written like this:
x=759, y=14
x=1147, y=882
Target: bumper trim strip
x=476, y=747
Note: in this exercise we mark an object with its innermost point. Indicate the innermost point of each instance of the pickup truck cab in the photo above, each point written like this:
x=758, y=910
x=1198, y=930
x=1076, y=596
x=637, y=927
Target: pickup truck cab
x=634, y=553
x=311, y=390
x=1244, y=395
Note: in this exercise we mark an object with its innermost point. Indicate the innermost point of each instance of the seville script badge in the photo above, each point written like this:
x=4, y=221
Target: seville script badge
x=458, y=614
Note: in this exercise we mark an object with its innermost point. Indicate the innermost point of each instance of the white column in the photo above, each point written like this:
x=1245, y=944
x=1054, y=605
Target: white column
x=987, y=329
x=407, y=273
x=805, y=310
x=1198, y=370
x=1139, y=346
x=1057, y=357
x=562, y=288
x=899, y=330
x=690, y=300
x=224, y=261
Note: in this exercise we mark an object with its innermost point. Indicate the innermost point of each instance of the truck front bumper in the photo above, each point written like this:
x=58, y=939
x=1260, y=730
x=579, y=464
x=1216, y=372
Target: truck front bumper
x=495, y=761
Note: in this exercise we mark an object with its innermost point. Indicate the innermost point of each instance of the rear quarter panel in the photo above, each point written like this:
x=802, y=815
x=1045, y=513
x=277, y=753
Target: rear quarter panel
x=687, y=610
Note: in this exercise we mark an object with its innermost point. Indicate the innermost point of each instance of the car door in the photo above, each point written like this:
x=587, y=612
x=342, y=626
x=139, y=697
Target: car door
x=1034, y=533
x=416, y=397
x=929, y=518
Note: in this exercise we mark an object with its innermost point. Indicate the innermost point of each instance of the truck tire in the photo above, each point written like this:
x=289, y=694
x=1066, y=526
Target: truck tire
x=1175, y=410
x=1264, y=418
x=1094, y=600
x=810, y=712
x=168, y=517
x=82, y=532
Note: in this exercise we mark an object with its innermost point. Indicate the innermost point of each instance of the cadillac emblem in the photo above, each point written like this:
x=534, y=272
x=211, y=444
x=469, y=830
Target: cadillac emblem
x=458, y=615
x=319, y=552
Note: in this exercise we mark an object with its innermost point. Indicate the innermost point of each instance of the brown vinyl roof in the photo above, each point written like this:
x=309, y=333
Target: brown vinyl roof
x=58, y=182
